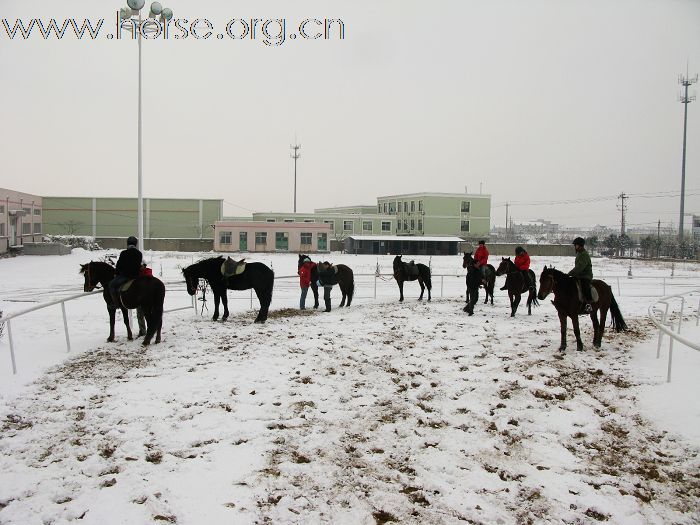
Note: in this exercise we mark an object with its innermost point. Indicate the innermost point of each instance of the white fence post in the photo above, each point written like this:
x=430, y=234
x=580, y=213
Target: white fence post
x=619, y=294
x=670, y=356
x=12, y=346
x=661, y=332
x=375, y=285
x=680, y=319
x=697, y=315
x=65, y=326
x=442, y=282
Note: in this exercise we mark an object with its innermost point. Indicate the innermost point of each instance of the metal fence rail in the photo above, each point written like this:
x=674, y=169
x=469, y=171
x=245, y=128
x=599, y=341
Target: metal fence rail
x=665, y=325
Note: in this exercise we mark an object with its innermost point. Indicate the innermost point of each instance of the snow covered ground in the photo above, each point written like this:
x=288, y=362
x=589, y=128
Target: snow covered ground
x=383, y=412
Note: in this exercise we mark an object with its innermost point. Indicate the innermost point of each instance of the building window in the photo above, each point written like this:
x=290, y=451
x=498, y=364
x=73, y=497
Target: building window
x=392, y=207
x=399, y=207
x=465, y=206
x=225, y=238
x=405, y=225
x=385, y=208
x=306, y=238
x=2, y=229
x=309, y=220
x=465, y=226
x=379, y=208
x=281, y=240
x=386, y=226
x=366, y=226
x=243, y=241
x=420, y=225
x=322, y=241
x=413, y=206
x=37, y=227
x=2, y=209
x=332, y=223
x=37, y=211
x=27, y=211
x=260, y=238
x=413, y=224
x=269, y=220
x=26, y=228
x=347, y=226
x=288, y=220
x=405, y=206
x=420, y=205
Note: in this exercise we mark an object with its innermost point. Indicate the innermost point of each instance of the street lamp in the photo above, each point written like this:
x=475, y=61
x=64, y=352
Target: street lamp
x=130, y=13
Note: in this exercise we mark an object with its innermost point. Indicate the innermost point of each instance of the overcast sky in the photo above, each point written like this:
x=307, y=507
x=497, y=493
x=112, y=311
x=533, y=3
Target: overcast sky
x=531, y=101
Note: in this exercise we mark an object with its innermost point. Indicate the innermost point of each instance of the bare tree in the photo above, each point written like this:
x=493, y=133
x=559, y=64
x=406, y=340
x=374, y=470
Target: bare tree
x=71, y=227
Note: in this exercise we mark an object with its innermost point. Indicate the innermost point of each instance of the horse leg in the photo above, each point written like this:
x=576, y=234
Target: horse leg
x=601, y=326
x=314, y=289
x=422, y=288
x=562, y=324
x=530, y=297
x=400, y=283
x=125, y=315
x=141, y=321
x=150, y=327
x=596, y=328
x=342, y=302
x=577, y=333
x=265, y=298
x=216, y=304
x=224, y=301
x=516, y=302
x=112, y=315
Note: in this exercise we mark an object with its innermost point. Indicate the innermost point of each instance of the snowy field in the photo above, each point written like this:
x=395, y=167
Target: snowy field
x=378, y=413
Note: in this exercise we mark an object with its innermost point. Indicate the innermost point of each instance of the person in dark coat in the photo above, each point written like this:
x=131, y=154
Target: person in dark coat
x=128, y=267
x=583, y=270
x=327, y=277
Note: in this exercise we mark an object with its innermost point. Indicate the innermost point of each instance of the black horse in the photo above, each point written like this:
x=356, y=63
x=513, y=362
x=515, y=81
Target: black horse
x=256, y=275
x=410, y=272
x=146, y=293
x=568, y=304
x=473, y=284
x=517, y=284
x=346, y=281
x=488, y=282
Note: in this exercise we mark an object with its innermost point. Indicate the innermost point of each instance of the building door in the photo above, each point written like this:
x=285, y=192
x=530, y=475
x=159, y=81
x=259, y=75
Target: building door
x=322, y=242
x=13, y=230
x=243, y=241
x=282, y=241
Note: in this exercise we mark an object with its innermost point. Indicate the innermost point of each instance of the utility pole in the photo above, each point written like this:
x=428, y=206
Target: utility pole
x=506, y=222
x=296, y=147
x=684, y=81
x=658, y=239
x=622, y=207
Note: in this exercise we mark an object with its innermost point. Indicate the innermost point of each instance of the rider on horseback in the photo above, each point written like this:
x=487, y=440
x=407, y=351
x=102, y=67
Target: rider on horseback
x=128, y=267
x=481, y=258
x=522, y=263
x=583, y=270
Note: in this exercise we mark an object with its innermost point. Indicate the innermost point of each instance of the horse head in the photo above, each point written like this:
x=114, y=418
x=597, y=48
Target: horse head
x=191, y=280
x=467, y=260
x=546, y=282
x=302, y=260
x=504, y=266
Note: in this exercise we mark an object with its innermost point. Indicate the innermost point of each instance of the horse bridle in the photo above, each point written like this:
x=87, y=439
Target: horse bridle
x=554, y=283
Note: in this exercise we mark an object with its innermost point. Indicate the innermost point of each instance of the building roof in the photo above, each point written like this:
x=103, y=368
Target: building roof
x=436, y=194
x=410, y=238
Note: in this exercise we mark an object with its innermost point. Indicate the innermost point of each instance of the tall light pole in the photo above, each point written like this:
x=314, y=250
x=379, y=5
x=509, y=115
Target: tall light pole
x=684, y=81
x=295, y=156
x=130, y=13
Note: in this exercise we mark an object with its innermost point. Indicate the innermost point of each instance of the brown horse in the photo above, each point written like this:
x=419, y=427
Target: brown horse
x=516, y=284
x=346, y=281
x=567, y=303
x=146, y=293
x=409, y=272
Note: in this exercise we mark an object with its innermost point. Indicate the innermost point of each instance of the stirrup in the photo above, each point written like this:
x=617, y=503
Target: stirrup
x=588, y=308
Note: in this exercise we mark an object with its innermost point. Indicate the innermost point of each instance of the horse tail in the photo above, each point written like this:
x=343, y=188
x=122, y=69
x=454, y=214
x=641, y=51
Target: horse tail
x=427, y=279
x=351, y=287
x=618, y=322
x=157, y=307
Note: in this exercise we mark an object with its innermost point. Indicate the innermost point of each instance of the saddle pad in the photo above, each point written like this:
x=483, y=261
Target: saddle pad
x=230, y=267
x=124, y=287
x=594, y=293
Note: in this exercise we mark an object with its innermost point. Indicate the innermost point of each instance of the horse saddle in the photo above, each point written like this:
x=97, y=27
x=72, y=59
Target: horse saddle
x=124, y=287
x=594, y=293
x=412, y=269
x=230, y=268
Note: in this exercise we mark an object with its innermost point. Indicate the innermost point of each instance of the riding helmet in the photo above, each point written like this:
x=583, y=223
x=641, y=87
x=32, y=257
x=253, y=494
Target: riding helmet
x=482, y=242
x=580, y=241
x=132, y=241
x=519, y=250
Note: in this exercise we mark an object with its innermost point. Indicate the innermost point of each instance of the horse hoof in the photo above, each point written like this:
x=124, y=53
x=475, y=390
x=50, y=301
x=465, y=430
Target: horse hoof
x=145, y=343
x=130, y=338
x=110, y=339
x=562, y=348
x=579, y=348
x=141, y=333
x=215, y=318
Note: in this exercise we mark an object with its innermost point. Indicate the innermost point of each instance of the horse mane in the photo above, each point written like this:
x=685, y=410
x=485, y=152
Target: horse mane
x=83, y=267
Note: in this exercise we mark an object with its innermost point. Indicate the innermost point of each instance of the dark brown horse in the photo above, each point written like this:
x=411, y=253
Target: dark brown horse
x=516, y=284
x=487, y=282
x=146, y=293
x=256, y=276
x=568, y=304
x=346, y=281
x=410, y=272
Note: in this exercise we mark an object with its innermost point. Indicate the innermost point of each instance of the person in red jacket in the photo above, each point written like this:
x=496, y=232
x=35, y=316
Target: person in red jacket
x=305, y=280
x=481, y=258
x=522, y=263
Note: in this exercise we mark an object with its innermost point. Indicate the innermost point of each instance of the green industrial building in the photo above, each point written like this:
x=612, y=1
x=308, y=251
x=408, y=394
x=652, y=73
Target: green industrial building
x=178, y=224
